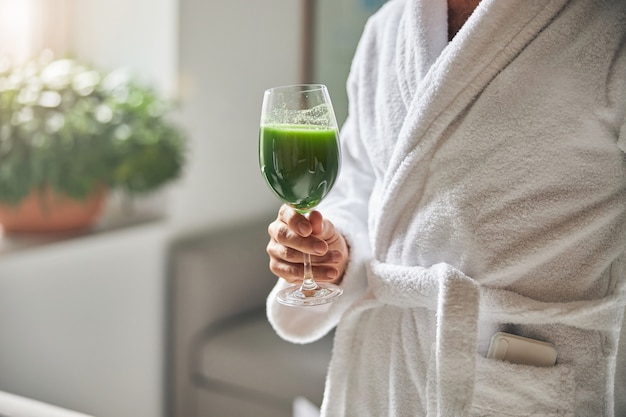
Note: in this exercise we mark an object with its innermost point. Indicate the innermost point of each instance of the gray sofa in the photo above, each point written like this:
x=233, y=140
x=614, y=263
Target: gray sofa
x=226, y=361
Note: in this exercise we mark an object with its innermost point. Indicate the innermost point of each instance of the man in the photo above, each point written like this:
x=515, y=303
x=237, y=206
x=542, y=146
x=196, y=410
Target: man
x=483, y=190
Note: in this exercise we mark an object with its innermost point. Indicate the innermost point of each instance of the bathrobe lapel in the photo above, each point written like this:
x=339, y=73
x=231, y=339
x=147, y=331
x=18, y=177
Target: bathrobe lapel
x=439, y=81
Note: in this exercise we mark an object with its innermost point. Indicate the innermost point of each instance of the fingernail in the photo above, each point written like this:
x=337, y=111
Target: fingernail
x=331, y=274
x=304, y=228
x=319, y=247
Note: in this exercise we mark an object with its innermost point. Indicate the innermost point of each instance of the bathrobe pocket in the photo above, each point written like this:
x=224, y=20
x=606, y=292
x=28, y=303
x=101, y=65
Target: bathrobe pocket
x=505, y=389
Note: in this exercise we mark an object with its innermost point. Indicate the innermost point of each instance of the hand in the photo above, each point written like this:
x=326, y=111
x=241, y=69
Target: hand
x=292, y=234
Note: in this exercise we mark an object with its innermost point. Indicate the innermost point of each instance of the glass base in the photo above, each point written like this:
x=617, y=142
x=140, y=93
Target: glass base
x=295, y=296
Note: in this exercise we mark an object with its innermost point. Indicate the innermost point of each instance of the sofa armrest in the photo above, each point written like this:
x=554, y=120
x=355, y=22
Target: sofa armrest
x=213, y=276
x=12, y=405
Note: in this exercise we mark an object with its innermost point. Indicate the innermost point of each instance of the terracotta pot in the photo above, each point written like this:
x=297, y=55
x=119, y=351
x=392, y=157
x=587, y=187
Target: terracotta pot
x=44, y=211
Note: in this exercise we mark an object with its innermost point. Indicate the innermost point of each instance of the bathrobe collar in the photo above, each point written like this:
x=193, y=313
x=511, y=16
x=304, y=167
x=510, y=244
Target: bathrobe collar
x=439, y=79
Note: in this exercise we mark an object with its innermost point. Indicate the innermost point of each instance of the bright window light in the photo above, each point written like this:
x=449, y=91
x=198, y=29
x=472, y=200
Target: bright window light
x=16, y=29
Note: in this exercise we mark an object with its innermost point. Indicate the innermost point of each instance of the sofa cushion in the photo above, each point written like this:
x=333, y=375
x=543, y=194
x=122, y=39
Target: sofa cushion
x=210, y=403
x=245, y=357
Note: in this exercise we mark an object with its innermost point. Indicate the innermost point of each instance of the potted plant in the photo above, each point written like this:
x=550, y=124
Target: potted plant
x=69, y=133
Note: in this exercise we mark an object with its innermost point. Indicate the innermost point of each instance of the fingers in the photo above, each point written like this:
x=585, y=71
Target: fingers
x=292, y=234
x=294, y=271
x=312, y=224
x=295, y=221
x=317, y=223
x=293, y=231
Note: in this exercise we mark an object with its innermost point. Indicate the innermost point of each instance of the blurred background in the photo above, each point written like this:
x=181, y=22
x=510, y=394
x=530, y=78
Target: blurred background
x=86, y=320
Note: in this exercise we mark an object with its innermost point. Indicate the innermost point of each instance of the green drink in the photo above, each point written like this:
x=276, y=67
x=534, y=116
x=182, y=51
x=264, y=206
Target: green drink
x=299, y=162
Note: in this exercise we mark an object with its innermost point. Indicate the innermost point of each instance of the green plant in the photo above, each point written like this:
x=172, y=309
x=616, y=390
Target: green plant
x=70, y=127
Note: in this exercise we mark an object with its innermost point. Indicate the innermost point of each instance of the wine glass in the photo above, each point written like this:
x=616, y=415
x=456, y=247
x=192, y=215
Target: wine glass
x=299, y=157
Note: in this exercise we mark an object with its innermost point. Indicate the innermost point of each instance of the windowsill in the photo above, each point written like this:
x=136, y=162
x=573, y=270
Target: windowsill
x=108, y=223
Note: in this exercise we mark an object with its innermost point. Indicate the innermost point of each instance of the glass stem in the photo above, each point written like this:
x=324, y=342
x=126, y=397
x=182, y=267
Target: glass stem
x=308, y=284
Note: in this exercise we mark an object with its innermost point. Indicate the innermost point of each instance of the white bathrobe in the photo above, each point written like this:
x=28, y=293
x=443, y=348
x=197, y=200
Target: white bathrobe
x=483, y=189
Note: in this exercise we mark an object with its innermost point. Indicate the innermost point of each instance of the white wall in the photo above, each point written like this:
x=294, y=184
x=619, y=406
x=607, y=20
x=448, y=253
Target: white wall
x=138, y=34
x=230, y=52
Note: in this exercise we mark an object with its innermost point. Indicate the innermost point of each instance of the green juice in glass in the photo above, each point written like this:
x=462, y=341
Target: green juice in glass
x=299, y=162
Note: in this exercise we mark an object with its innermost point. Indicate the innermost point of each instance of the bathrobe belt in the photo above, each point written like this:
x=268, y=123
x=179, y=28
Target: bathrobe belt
x=459, y=302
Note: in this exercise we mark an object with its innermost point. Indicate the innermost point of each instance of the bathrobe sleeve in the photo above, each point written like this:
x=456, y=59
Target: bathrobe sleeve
x=347, y=207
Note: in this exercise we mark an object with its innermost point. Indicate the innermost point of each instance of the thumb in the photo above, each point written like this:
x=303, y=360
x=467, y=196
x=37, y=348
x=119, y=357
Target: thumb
x=317, y=223
x=322, y=227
